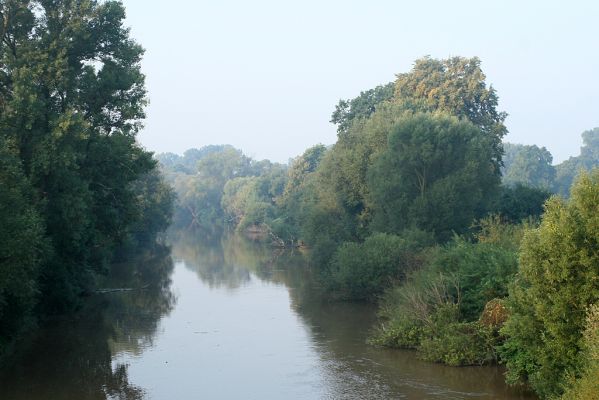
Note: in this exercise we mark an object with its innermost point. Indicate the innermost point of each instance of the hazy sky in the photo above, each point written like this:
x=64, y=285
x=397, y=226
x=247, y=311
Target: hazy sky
x=265, y=76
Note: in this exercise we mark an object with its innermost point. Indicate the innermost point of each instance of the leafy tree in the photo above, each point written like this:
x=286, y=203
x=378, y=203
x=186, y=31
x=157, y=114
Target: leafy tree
x=361, y=107
x=236, y=195
x=588, y=159
x=455, y=86
x=437, y=174
x=586, y=386
x=302, y=166
x=557, y=281
x=528, y=165
x=23, y=247
x=155, y=199
x=72, y=100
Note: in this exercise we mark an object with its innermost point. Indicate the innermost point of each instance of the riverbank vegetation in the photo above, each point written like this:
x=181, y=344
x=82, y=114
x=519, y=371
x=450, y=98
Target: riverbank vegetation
x=477, y=251
x=421, y=207
x=77, y=191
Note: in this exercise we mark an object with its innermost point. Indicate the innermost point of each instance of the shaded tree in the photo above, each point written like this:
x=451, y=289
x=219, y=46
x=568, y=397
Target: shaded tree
x=437, y=174
x=520, y=202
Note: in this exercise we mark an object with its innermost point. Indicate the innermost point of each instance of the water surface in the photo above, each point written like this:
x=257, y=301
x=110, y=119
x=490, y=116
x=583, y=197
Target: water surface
x=227, y=319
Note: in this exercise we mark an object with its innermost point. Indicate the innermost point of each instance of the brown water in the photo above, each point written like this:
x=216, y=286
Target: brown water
x=226, y=320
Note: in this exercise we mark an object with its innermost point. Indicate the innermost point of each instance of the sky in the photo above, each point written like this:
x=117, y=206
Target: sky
x=265, y=76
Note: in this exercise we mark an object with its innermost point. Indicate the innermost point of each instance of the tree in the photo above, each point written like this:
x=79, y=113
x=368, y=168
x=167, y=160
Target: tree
x=557, y=281
x=437, y=174
x=23, y=247
x=72, y=100
x=456, y=86
x=588, y=159
x=361, y=107
x=528, y=165
x=517, y=203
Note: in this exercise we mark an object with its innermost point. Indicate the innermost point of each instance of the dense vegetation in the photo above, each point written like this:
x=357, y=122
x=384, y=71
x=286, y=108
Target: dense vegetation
x=421, y=207
x=76, y=189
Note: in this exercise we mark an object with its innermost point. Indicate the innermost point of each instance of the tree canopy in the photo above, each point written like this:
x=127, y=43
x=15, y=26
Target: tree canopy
x=557, y=281
x=437, y=174
x=72, y=100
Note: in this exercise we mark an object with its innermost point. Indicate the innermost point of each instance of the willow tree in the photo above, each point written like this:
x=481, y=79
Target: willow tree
x=456, y=86
x=437, y=174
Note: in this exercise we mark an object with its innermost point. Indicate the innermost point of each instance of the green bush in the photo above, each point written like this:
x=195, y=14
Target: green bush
x=483, y=271
x=437, y=309
x=361, y=271
x=456, y=343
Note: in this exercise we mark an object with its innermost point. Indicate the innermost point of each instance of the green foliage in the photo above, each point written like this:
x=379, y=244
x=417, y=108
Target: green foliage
x=557, y=280
x=588, y=159
x=494, y=230
x=455, y=86
x=437, y=174
x=528, y=166
x=72, y=99
x=344, y=179
x=482, y=270
x=457, y=343
x=154, y=207
x=218, y=187
x=361, y=107
x=437, y=309
x=361, y=271
x=23, y=246
x=586, y=387
x=517, y=203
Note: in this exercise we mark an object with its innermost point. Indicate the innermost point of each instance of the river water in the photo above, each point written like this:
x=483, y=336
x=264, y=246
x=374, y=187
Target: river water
x=226, y=319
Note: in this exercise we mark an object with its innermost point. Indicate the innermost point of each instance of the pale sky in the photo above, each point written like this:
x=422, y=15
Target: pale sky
x=265, y=76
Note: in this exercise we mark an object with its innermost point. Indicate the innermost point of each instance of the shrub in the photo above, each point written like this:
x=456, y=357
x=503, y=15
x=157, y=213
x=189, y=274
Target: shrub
x=361, y=271
x=457, y=343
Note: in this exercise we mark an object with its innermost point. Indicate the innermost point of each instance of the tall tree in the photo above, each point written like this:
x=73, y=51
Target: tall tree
x=361, y=107
x=528, y=165
x=558, y=280
x=72, y=102
x=455, y=86
x=23, y=246
x=437, y=175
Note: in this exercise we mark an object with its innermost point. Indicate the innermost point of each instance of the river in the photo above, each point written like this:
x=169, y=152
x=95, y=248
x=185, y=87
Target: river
x=226, y=319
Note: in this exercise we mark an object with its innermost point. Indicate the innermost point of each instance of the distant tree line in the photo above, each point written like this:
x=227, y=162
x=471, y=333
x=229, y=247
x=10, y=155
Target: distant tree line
x=420, y=206
x=76, y=189
x=532, y=166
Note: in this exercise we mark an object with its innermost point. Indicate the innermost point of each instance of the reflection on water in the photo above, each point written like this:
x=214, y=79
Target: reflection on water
x=72, y=358
x=232, y=319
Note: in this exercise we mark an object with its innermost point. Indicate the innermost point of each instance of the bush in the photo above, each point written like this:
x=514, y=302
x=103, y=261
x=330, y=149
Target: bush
x=438, y=308
x=361, y=271
x=456, y=343
x=483, y=271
